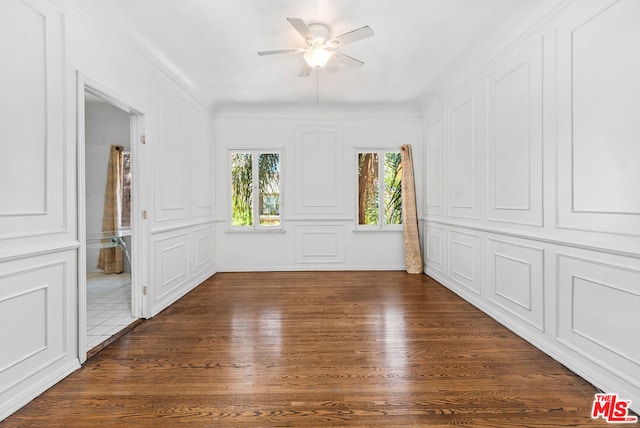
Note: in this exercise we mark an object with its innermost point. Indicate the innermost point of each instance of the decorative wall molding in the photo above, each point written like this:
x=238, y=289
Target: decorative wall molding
x=159, y=230
x=597, y=149
x=319, y=171
x=434, y=168
x=597, y=313
x=463, y=154
x=516, y=280
x=36, y=299
x=514, y=144
x=34, y=139
x=202, y=250
x=548, y=238
x=35, y=293
x=41, y=250
x=198, y=134
x=319, y=244
x=171, y=265
x=171, y=152
x=464, y=259
x=559, y=254
x=434, y=241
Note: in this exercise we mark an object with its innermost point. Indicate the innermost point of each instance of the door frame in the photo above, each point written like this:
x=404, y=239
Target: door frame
x=138, y=248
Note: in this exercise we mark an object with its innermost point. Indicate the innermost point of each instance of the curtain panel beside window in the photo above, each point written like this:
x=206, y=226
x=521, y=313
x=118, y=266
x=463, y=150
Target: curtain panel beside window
x=111, y=259
x=413, y=255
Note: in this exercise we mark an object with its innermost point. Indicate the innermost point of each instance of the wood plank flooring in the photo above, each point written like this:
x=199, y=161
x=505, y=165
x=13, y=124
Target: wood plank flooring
x=317, y=349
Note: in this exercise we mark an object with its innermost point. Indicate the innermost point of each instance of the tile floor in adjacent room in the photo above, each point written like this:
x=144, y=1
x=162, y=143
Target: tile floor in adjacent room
x=108, y=306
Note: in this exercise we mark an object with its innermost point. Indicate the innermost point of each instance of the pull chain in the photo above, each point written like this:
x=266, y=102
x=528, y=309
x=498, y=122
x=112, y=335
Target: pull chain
x=317, y=89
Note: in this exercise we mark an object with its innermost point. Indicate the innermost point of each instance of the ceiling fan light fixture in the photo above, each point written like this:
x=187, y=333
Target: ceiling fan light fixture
x=320, y=47
x=317, y=57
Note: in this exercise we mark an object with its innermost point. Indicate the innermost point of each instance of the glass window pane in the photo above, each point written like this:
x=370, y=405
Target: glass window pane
x=392, y=188
x=269, y=186
x=125, y=216
x=241, y=184
x=368, y=188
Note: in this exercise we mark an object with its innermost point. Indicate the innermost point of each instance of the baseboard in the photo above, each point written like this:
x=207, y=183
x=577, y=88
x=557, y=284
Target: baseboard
x=25, y=396
x=182, y=291
x=307, y=267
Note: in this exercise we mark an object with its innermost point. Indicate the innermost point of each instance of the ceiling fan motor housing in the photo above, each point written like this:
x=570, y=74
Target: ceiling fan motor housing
x=321, y=34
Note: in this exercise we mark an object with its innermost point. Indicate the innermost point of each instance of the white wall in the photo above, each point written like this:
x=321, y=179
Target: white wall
x=43, y=44
x=531, y=199
x=319, y=193
x=181, y=253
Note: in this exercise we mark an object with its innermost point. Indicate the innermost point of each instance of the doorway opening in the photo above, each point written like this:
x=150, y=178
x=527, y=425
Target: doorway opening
x=110, y=294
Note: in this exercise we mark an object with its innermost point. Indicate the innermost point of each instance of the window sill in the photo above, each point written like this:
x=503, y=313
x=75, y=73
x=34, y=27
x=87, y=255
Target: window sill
x=377, y=230
x=250, y=231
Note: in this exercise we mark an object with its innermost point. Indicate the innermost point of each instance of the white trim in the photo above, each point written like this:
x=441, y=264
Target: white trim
x=40, y=251
x=623, y=250
x=136, y=126
x=255, y=227
x=178, y=226
x=239, y=230
x=311, y=266
x=382, y=226
x=25, y=396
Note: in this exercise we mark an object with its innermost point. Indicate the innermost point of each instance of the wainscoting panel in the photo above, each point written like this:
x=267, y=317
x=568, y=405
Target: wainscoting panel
x=434, y=172
x=33, y=197
x=172, y=265
x=202, y=250
x=37, y=319
x=598, y=152
x=434, y=247
x=319, y=244
x=516, y=280
x=514, y=148
x=319, y=172
x=464, y=260
x=598, y=313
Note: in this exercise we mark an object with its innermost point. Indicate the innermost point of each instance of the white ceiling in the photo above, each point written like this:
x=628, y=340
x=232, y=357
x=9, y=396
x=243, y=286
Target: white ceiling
x=209, y=46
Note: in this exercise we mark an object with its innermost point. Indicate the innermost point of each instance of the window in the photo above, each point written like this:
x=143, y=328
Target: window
x=255, y=189
x=379, y=201
x=125, y=191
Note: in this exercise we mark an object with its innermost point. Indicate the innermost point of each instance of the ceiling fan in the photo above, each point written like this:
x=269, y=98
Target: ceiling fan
x=320, y=48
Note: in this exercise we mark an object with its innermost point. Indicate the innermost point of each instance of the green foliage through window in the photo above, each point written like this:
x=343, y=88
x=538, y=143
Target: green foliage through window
x=241, y=185
x=246, y=206
x=392, y=188
x=269, y=186
x=371, y=210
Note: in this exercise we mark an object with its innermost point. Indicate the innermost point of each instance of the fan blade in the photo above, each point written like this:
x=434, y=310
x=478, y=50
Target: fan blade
x=305, y=71
x=351, y=36
x=301, y=28
x=347, y=60
x=280, y=51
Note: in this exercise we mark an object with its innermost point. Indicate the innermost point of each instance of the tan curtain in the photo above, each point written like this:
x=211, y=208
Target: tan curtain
x=110, y=259
x=413, y=256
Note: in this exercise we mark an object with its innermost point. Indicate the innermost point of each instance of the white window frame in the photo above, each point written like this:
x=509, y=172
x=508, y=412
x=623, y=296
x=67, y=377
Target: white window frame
x=255, y=193
x=382, y=226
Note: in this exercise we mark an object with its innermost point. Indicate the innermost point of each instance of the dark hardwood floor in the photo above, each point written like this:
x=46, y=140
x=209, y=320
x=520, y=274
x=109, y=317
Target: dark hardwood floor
x=317, y=349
